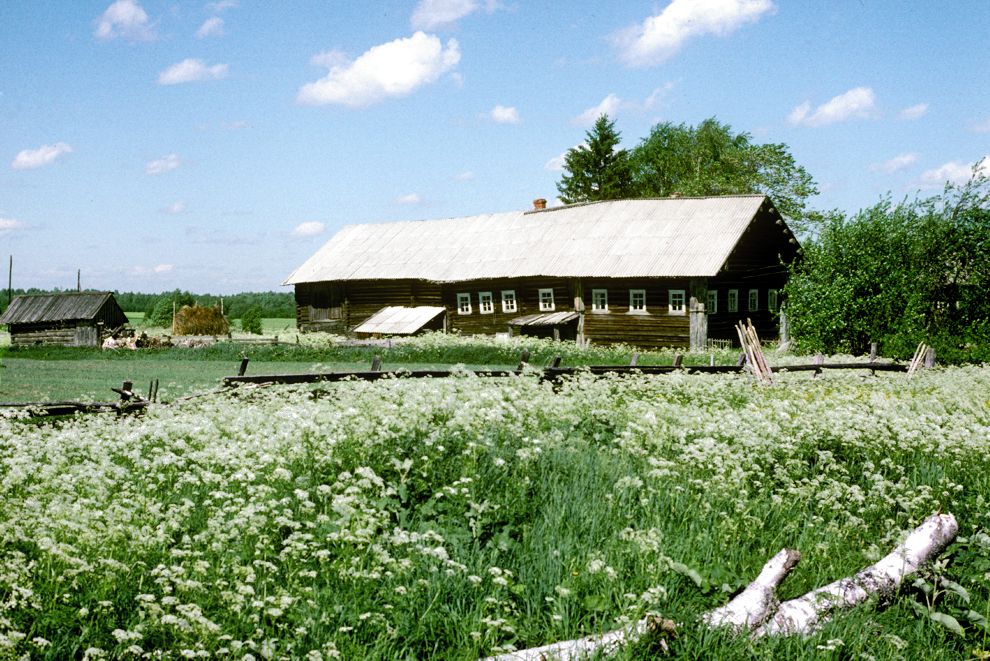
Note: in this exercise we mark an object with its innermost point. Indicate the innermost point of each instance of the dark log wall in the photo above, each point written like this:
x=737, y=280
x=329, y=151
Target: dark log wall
x=339, y=307
x=110, y=315
x=65, y=334
x=759, y=261
x=655, y=327
x=527, y=302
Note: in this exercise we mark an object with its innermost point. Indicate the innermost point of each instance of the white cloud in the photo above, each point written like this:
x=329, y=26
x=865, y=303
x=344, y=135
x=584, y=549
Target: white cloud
x=235, y=125
x=659, y=37
x=464, y=176
x=191, y=70
x=857, y=103
x=505, y=115
x=608, y=106
x=916, y=111
x=556, y=164
x=223, y=5
x=308, y=229
x=124, y=18
x=982, y=127
x=438, y=14
x=211, y=27
x=895, y=164
x=174, y=209
x=329, y=59
x=10, y=225
x=431, y=14
x=164, y=268
x=656, y=97
x=163, y=164
x=410, y=199
x=954, y=172
x=29, y=159
x=389, y=70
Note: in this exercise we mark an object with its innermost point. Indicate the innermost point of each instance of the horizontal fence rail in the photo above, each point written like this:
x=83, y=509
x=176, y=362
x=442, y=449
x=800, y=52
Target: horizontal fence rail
x=130, y=401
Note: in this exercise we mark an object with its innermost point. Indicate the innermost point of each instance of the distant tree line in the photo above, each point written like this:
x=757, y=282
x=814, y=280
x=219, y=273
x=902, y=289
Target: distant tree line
x=158, y=307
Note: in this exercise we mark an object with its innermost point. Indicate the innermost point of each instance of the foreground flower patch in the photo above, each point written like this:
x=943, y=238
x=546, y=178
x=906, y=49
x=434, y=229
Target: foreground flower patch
x=463, y=517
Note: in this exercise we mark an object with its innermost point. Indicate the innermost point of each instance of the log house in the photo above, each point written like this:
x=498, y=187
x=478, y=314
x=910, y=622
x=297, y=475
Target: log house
x=673, y=272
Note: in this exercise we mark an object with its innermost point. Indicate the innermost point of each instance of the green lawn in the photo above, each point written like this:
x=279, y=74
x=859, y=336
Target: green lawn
x=90, y=379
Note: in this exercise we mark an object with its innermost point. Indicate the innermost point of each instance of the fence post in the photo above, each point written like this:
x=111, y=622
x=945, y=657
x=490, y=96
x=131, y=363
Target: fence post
x=635, y=359
x=244, y=363
x=678, y=359
x=930, y=357
x=523, y=359
x=376, y=363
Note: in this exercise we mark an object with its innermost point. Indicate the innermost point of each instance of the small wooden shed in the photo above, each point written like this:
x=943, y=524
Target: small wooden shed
x=71, y=319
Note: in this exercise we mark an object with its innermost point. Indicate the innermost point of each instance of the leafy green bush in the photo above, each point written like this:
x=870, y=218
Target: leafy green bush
x=251, y=320
x=898, y=275
x=161, y=314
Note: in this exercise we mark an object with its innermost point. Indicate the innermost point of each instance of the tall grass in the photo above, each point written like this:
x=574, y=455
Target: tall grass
x=460, y=517
x=431, y=348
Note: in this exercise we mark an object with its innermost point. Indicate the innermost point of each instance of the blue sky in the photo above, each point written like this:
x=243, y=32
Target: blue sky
x=215, y=146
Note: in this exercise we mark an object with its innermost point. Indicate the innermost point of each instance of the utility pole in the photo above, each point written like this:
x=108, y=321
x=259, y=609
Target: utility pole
x=10, y=281
x=79, y=280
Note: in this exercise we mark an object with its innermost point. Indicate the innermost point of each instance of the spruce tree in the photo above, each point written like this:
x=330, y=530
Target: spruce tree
x=598, y=169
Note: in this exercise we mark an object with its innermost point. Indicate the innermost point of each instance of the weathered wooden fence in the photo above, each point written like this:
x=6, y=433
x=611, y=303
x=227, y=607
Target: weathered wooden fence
x=130, y=401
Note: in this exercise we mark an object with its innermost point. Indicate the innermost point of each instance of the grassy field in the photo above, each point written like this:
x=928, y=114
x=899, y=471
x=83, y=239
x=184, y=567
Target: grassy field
x=75, y=373
x=462, y=517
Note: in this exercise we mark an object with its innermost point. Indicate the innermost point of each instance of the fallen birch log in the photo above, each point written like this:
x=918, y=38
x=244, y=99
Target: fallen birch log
x=804, y=614
x=758, y=601
x=756, y=609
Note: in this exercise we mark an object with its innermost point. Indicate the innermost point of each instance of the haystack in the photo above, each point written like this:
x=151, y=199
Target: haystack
x=196, y=320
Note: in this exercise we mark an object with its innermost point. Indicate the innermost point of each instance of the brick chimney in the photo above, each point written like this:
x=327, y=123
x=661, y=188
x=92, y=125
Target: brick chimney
x=539, y=203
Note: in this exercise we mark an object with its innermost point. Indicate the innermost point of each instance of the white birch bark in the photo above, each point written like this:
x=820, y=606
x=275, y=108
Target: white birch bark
x=758, y=601
x=756, y=609
x=804, y=614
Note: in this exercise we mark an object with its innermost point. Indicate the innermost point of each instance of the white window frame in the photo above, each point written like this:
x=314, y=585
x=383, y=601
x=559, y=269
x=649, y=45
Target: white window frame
x=672, y=296
x=463, y=303
x=711, y=304
x=599, y=300
x=732, y=301
x=633, y=295
x=772, y=300
x=483, y=298
x=546, y=306
x=509, y=300
x=753, y=300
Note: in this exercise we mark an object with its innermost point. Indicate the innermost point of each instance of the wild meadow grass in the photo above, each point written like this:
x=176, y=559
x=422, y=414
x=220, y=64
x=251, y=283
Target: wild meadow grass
x=44, y=373
x=456, y=518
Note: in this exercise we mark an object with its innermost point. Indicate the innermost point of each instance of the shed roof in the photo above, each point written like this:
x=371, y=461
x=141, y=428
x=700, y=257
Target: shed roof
x=668, y=237
x=399, y=320
x=65, y=306
x=545, y=319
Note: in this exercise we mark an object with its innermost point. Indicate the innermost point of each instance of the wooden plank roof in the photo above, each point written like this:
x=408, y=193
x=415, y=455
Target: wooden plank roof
x=400, y=320
x=545, y=319
x=670, y=237
x=65, y=306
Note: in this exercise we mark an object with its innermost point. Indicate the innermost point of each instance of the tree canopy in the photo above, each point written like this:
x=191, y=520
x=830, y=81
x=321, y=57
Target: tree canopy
x=899, y=274
x=708, y=159
x=598, y=169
